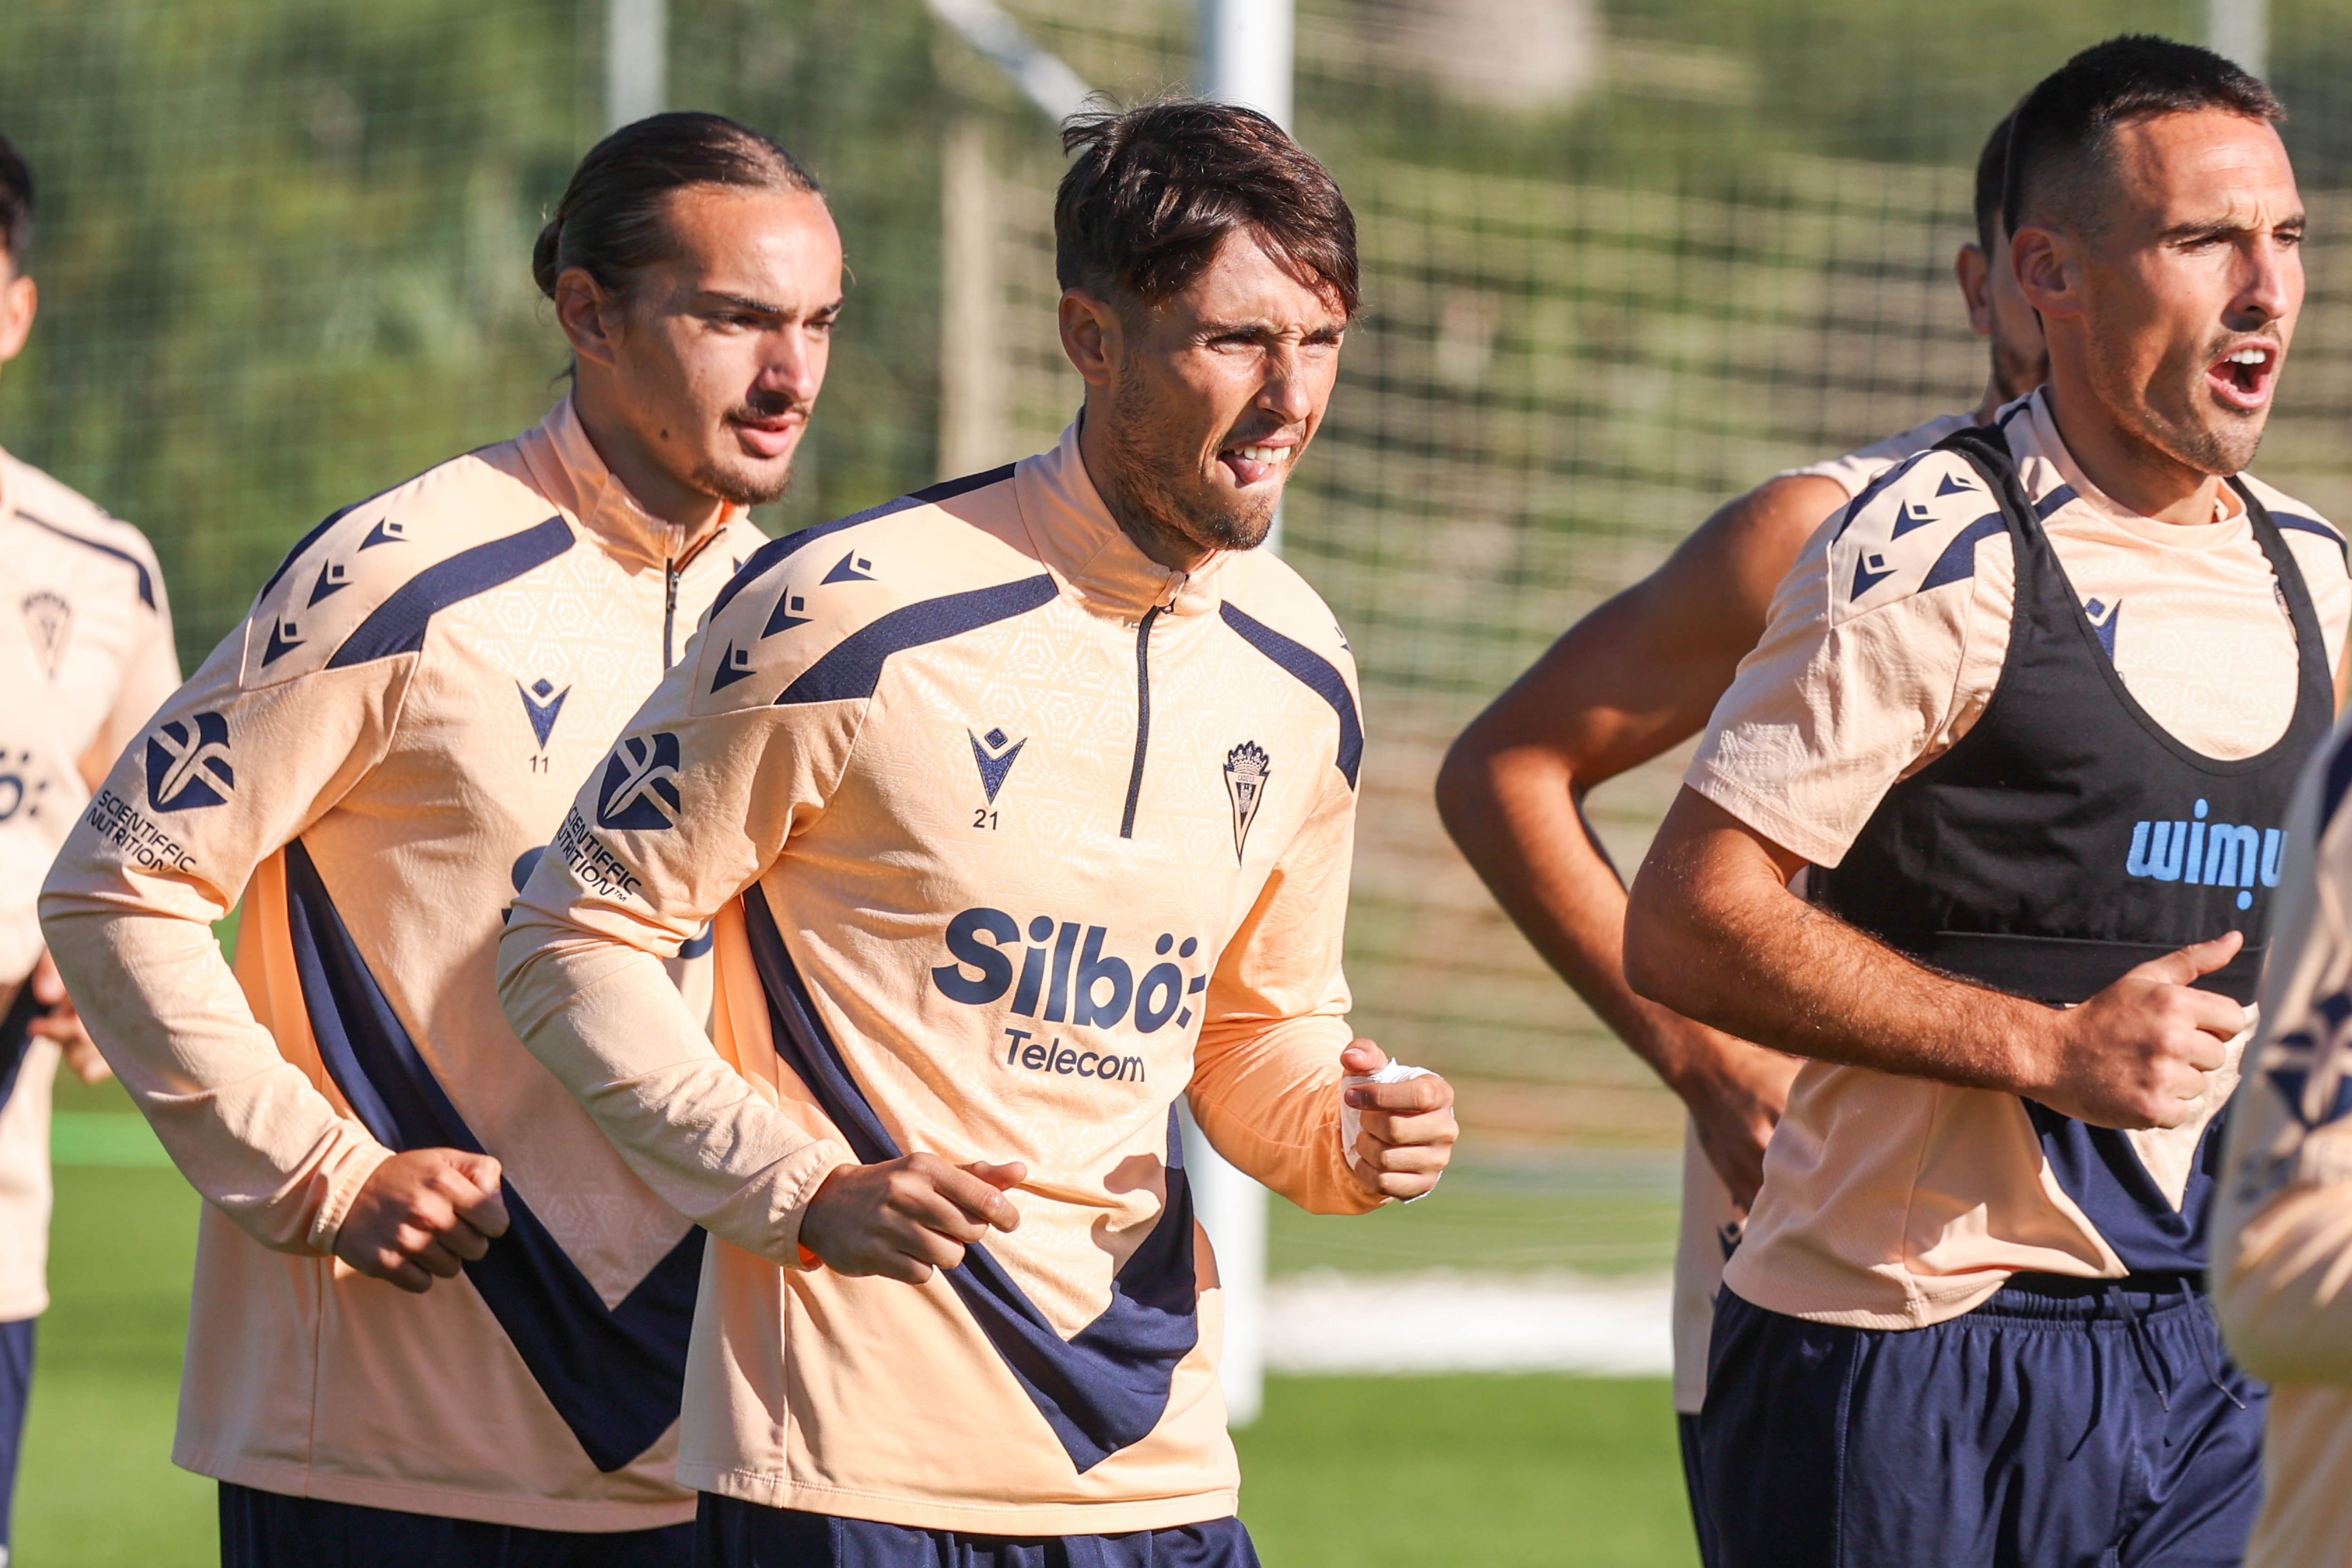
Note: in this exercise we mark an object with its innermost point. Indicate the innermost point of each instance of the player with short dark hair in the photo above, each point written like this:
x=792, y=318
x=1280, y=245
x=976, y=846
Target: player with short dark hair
x=86, y=654
x=1024, y=807
x=2030, y=710
x=1640, y=675
x=372, y=763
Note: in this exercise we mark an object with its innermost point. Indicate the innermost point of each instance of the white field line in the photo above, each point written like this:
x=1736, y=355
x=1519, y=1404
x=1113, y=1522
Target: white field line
x=1443, y=1321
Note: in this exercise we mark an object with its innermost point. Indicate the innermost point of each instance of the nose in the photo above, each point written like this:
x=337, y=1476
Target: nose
x=793, y=365
x=2270, y=287
x=1285, y=392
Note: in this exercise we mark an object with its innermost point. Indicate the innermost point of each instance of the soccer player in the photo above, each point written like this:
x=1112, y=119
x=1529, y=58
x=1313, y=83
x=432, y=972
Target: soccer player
x=1634, y=678
x=87, y=657
x=373, y=762
x=2283, y=1210
x=1023, y=805
x=2030, y=708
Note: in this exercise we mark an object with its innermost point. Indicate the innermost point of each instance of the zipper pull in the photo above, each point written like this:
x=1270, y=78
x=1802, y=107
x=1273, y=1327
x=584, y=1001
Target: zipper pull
x=669, y=611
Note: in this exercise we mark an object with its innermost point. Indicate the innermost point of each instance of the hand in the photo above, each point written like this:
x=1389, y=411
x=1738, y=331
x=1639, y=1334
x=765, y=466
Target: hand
x=906, y=1217
x=2136, y=1055
x=1736, y=1093
x=59, y=1021
x=423, y=1214
x=1408, y=1128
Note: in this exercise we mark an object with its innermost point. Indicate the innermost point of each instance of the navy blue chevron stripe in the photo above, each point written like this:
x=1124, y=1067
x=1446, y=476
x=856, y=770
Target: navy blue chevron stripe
x=774, y=550
x=1106, y=1388
x=16, y=1036
x=1318, y=673
x=146, y=577
x=397, y=625
x=2314, y=526
x=614, y=1374
x=1959, y=558
x=851, y=667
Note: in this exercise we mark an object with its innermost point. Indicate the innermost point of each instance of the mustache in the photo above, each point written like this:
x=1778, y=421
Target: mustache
x=761, y=406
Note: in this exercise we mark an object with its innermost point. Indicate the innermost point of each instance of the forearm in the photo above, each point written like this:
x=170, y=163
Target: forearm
x=1714, y=933
x=247, y=1128
x=1515, y=815
x=606, y=1021
x=1268, y=1098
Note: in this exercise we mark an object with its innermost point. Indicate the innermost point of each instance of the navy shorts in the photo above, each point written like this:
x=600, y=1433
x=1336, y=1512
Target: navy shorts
x=2062, y=1423
x=1695, y=1484
x=267, y=1530
x=15, y=1384
x=733, y=1534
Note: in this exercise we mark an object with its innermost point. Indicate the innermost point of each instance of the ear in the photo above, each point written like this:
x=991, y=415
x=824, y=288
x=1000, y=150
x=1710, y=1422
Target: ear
x=2044, y=261
x=1092, y=336
x=18, y=301
x=1974, y=273
x=592, y=320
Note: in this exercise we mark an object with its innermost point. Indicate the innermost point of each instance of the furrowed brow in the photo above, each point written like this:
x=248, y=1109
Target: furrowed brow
x=745, y=304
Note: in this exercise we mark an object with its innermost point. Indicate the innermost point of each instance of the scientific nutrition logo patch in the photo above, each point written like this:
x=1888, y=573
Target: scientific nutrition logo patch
x=187, y=764
x=639, y=790
x=1246, y=767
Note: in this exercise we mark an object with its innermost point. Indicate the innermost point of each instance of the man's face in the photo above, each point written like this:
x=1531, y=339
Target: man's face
x=1214, y=393
x=2188, y=297
x=716, y=354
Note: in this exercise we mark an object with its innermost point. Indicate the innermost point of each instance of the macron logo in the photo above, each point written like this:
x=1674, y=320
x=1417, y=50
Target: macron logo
x=2207, y=855
x=639, y=790
x=187, y=764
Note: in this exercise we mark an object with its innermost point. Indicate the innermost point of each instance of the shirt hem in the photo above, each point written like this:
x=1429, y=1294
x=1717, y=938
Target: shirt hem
x=767, y=1489
x=586, y=1516
x=15, y=1308
x=1760, y=815
x=1924, y=1310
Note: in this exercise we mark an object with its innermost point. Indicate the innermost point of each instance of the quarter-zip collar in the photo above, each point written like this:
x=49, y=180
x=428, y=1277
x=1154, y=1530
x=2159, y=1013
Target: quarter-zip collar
x=567, y=468
x=1090, y=554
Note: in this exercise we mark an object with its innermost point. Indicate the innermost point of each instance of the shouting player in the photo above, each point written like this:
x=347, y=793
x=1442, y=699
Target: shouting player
x=1024, y=806
x=373, y=762
x=2031, y=708
x=1639, y=676
x=87, y=657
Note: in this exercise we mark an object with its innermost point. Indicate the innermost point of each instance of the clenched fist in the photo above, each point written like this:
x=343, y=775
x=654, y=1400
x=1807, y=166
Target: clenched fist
x=906, y=1217
x=1406, y=1128
x=423, y=1215
x=2138, y=1054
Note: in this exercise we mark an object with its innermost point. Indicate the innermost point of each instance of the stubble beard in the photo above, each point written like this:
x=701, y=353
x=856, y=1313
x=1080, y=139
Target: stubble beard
x=2198, y=434
x=738, y=489
x=1147, y=503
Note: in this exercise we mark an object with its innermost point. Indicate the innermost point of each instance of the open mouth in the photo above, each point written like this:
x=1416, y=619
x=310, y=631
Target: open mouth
x=2242, y=378
x=1254, y=464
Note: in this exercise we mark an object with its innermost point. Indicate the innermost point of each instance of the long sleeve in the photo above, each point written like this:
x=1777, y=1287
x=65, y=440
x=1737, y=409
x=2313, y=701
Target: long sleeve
x=687, y=812
x=1267, y=1073
x=2283, y=1218
x=257, y=747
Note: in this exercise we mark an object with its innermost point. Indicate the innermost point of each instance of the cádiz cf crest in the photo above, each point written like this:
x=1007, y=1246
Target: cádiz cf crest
x=49, y=619
x=1246, y=767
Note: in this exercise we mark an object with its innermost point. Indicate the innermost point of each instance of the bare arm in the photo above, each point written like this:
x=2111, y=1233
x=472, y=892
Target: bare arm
x=1713, y=931
x=1634, y=678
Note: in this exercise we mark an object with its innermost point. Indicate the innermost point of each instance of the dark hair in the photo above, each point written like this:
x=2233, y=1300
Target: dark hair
x=2063, y=133
x=15, y=204
x=1992, y=168
x=611, y=222
x=1155, y=190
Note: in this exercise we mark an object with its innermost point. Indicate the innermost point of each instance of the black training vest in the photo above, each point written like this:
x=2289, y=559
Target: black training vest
x=2068, y=837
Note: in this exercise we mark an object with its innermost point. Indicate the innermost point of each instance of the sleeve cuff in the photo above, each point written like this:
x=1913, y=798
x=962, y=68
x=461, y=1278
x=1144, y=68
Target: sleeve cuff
x=351, y=1170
